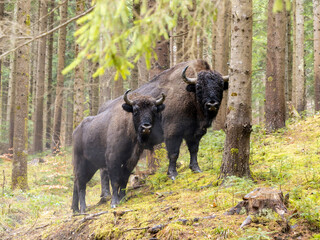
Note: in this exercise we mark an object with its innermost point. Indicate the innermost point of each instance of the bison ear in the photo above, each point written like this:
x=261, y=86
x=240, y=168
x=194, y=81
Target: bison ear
x=127, y=107
x=191, y=88
x=225, y=85
x=161, y=107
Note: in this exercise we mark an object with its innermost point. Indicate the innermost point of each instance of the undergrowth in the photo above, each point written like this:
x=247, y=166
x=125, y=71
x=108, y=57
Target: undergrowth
x=191, y=207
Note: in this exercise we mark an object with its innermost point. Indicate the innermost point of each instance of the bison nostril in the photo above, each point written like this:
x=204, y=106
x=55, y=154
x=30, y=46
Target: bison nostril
x=212, y=106
x=146, y=126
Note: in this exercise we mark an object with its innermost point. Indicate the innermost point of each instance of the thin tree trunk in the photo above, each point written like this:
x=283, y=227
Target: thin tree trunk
x=38, y=128
x=275, y=111
x=79, y=78
x=19, y=162
x=299, y=58
x=294, y=45
x=60, y=79
x=1, y=90
x=214, y=39
x=50, y=88
x=93, y=89
x=12, y=84
x=118, y=88
x=69, y=118
x=105, y=86
x=237, y=144
x=222, y=57
x=316, y=42
x=288, y=65
x=179, y=40
x=134, y=80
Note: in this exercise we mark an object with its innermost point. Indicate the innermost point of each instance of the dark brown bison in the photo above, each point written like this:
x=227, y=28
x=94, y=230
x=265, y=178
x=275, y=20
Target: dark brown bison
x=194, y=93
x=114, y=140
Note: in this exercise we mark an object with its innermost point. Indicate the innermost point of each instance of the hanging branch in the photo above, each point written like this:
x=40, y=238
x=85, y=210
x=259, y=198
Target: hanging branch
x=47, y=33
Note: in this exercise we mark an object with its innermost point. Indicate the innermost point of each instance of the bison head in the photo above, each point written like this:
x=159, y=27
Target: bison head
x=208, y=87
x=146, y=115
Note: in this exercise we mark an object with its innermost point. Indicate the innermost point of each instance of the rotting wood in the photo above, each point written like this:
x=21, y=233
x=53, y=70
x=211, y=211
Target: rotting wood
x=262, y=198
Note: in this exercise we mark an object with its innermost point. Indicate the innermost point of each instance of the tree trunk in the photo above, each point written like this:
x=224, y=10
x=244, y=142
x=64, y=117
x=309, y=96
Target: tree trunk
x=299, y=58
x=179, y=40
x=105, y=86
x=59, y=89
x=93, y=89
x=134, y=79
x=69, y=118
x=1, y=88
x=237, y=144
x=12, y=83
x=38, y=128
x=117, y=88
x=214, y=39
x=222, y=57
x=275, y=111
x=50, y=88
x=316, y=42
x=19, y=163
x=294, y=41
x=79, y=78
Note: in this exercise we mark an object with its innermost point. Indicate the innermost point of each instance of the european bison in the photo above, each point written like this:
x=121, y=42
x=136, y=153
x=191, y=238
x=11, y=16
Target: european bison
x=114, y=139
x=194, y=93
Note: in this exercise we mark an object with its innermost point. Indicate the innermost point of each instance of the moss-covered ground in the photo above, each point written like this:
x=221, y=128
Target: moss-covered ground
x=191, y=207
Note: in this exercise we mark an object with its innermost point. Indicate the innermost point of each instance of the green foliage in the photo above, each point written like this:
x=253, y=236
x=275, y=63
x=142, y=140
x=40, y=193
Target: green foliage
x=109, y=35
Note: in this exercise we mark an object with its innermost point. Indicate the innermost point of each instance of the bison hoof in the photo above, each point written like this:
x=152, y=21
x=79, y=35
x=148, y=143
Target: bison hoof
x=195, y=169
x=172, y=174
x=104, y=199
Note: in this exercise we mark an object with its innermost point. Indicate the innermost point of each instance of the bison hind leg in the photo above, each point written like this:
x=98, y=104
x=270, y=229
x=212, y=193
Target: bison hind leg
x=75, y=198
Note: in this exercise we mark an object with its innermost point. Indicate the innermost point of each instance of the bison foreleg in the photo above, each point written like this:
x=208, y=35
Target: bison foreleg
x=75, y=198
x=193, y=146
x=173, y=146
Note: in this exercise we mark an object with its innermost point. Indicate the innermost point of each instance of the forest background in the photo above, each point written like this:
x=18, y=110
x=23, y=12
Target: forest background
x=38, y=41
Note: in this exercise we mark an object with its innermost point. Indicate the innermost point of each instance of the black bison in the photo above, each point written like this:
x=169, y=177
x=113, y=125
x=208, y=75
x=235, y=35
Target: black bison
x=194, y=93
x=114, y=140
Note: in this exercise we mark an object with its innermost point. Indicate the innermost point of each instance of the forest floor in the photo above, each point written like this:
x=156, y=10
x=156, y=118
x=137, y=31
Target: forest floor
x=191, y=207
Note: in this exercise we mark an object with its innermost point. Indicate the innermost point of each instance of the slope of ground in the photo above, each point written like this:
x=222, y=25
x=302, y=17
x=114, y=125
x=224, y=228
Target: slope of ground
x=191, y=207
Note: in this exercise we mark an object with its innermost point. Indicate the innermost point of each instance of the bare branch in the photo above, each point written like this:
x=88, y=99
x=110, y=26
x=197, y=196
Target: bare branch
x=47, y=33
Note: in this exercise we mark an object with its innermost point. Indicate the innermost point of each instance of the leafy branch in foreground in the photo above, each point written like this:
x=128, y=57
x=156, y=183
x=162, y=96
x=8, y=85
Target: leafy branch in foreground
x=110, y=37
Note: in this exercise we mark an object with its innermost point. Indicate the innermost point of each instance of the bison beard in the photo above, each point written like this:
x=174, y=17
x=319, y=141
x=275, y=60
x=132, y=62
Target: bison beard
x=113, y=141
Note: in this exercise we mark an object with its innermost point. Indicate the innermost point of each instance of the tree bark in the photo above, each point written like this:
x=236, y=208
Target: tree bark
x=275, y=111
x=12, y=83
x=179, y=40
x=93, y=89
x=105, y=85
x=19, y=163
x=214, y=39
x=50, y=88
x=78, y=114
x=222, y=57
x=134, y=79
x=1, y=83
x=316, y=42
x=69, y=117
x=237, y=144
x=60, y=79
x=299, y=58
x=38, y=128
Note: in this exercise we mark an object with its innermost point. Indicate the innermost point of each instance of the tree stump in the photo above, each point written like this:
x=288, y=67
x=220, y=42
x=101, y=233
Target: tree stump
x=262, y=198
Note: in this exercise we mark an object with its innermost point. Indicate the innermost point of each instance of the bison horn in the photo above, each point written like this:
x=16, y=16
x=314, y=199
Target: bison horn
x=225, y=78
x=161, y=100
x=125, y=98
x=186, y=79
